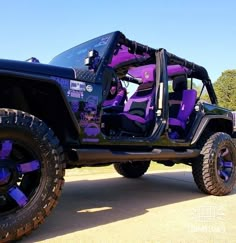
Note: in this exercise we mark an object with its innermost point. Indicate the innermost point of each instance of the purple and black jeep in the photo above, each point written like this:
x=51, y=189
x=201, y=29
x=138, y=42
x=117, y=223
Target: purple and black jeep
x=107, y=101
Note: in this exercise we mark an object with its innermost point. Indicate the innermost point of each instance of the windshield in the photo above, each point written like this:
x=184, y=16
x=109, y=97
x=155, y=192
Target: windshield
x=75, y=57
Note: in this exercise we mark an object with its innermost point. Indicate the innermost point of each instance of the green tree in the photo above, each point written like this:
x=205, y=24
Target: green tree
x=225, y=88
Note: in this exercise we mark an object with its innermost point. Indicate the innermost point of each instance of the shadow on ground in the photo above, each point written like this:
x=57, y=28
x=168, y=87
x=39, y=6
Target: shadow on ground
x=86, y=204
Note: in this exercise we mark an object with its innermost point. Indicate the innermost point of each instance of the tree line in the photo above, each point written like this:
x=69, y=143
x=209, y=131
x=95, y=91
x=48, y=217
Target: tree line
x=225, y=89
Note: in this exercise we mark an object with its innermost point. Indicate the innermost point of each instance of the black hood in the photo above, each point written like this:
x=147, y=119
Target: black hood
x=36, y=68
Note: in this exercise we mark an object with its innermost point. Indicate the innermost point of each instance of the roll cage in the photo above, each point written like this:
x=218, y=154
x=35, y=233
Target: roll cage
x=129, y=54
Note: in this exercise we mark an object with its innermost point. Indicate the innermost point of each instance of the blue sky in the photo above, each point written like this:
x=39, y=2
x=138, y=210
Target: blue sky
x=201, y=31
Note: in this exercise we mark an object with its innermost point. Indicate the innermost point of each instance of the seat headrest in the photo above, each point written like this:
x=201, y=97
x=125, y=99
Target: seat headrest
x=179, y=83
x=148, y=74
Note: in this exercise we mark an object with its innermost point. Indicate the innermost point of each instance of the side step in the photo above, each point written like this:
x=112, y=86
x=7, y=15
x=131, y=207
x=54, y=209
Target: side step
x=100, y=156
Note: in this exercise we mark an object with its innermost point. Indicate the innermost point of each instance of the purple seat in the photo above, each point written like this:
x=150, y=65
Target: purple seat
x=138, y=114
x=178, y=124
x=175, y=98
x=117, y=95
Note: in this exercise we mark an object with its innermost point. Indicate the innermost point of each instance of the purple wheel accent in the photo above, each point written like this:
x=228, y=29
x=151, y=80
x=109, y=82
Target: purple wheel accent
x=4, y=176
x=228, y=164
x=28, y=193
x=6, y=149
x=224, y=175
x=225, y=167
x=19, y=175
x=16, y=194
x=221, y=163
x=28, y=167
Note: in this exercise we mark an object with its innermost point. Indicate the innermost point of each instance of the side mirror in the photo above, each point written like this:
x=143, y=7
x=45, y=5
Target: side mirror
x=93, y=59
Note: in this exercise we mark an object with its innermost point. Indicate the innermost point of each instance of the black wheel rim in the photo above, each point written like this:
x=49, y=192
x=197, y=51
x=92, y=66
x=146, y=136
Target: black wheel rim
x=225, y=164
x=20, y=171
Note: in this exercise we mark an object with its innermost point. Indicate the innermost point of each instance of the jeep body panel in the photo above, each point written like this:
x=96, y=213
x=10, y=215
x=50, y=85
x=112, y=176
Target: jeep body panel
x=80, y=90
x=40, y=95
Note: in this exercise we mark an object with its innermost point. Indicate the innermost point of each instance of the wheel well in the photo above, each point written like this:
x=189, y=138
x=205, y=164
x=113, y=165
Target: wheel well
x=43, y=99
x=220, y=125
x=212, y=125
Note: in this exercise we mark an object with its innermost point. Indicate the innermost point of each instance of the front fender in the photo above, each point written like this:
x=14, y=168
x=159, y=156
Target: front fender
x=42, y=97
x=213, y=123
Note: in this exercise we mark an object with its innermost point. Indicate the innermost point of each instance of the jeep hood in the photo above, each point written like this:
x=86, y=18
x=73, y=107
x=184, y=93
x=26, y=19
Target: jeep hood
x=36, y=69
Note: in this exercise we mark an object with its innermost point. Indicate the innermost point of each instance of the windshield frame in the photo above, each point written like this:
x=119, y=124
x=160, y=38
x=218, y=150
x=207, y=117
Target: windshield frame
x=74, y=57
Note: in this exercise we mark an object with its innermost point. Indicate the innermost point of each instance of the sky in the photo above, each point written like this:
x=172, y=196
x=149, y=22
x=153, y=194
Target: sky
x=202, y=31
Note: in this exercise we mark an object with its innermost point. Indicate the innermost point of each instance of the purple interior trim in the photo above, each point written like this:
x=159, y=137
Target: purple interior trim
x=148, y=74
x=134, y=117
x=137, y=71
x=108, y=102
x=173, y=70
x=187, y=106
x=128, y=105
x=117, y=100
x=175, y=122
x=148, y=115
x=173, y=135
x=136, y=99
x=124, y=56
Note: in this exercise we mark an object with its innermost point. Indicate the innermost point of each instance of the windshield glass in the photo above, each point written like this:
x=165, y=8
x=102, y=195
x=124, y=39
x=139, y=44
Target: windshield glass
x=75, y=57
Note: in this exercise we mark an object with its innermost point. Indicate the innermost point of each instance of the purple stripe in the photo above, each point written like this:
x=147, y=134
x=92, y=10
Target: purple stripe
x=108, y=102
x=136, y=100
x=128, y=105
x=134, y=117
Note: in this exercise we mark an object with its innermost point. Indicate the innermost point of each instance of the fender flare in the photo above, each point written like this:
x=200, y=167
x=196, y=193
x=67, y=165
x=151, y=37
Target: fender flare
x=204, y=123
x=22, y=80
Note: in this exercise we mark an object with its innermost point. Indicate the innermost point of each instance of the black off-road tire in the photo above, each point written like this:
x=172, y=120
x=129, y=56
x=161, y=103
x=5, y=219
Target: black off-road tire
x=24, y=137
x=214, y=171
x=132, y=169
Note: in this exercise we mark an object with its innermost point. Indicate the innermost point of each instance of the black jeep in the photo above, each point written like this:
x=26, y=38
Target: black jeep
x=107, y=101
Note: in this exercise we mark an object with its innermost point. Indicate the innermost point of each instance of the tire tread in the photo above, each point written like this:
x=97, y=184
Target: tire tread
x=45, y=137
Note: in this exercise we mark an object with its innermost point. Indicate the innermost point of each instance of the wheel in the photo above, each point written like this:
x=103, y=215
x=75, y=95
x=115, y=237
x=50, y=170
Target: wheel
x=214, y=170
x=132, y=169
x=31, y=173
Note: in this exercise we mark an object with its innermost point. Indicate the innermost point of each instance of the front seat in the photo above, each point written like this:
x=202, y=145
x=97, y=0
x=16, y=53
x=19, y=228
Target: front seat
x=175, y=98
x=178, y=124
x=138, y=115
x=117, y=95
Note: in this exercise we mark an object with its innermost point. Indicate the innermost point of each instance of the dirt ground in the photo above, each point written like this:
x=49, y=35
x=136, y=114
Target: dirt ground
x=160, y=207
